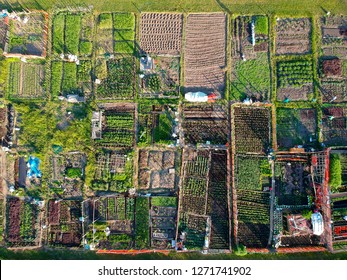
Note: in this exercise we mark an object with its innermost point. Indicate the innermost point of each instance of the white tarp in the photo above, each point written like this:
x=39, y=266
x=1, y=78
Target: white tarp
x=317, y=223
x=196, y=96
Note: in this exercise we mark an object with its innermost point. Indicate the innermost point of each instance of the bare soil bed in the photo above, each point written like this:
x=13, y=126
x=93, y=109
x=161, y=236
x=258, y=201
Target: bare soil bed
x=205, y=57
x=334, y=37
x=334, y=127
x=334, y=90
x=295, y=94
x=157, y=170
x=161, y=33
x=293, y=36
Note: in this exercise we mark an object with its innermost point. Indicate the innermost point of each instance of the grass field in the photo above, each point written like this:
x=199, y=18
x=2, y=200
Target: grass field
x=241, y=7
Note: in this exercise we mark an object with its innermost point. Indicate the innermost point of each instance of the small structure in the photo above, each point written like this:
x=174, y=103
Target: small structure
x=146, y=63
x=317, y=223
x=200, y=97
x=74, y=98
x=33, y=167
x=97, y=125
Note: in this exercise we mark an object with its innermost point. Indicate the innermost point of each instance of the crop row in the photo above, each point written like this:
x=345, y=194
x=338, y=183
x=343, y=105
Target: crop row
x=294, y=73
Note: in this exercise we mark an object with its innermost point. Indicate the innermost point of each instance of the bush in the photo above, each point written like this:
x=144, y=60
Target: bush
x=74, y=172
x=240, y=250
x=306, y=213
x=105, y=21
x=335, y=172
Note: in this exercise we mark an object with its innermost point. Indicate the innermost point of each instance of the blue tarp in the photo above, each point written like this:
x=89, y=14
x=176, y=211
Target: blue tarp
x=33, y=165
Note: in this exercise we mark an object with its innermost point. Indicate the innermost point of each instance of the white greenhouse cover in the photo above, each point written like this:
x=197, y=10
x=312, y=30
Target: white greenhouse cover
x=196, y=96
x=317, y=223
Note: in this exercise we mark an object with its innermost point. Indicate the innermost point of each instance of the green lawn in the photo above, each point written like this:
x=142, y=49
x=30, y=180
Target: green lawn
x=240, y=6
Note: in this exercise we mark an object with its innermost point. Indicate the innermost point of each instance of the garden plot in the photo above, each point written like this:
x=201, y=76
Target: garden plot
x=142, y=233
x=113, y=171
x=64, y=226
x=334, y=36
x=68, y=174
x=71, y=79
x=296, y=127
x=163, y=215
x=26, y=80
x=252, y=181
x=161, y=78
x=206, y=124
x=157, y=171
x=293, y=36
x=204, y=206
x=293, y=183
x=245, y=45
x=115, y=34
x=205, y=58
x=114, y=222
x=28, y=35
x=333, y=90
x=157, y=124
x=116, y=78
x=334, y=126
x=161, y=33
x=3, y=122
x=117, y=125
x=338, y=174
x=250, y=75
x=294, y=80
x=252, y=132
x=73, y=34
x=66, y=33
x=22, y=224
x=3, y=31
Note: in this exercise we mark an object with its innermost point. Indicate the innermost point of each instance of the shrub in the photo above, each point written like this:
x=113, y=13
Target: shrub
x=74, y=172
x=240, y=250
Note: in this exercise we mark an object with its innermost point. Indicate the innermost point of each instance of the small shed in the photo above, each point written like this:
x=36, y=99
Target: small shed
x=317, y=223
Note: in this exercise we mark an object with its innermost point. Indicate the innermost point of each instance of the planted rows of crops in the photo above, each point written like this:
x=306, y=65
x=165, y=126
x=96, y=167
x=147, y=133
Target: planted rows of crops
x=294, y=73
x=21, y=222
x=26, y=80
x=253, y=204
x=72, y=34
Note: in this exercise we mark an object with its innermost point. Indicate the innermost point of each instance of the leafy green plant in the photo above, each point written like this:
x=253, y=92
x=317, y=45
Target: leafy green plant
x=74, y=172
x=105, y=21
x=124, y=21
x=335, y=180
